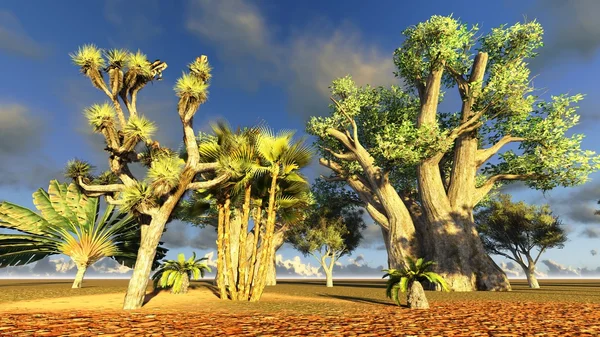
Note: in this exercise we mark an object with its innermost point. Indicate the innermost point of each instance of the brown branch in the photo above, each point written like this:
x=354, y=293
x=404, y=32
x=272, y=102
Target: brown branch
x=483, y=155
x=100, y=188
x=344, y=156
x=463, y=85
x=351, y=120
x=206, y=167
x=112, y=201
x=343, y=138
x=484, y=189
x=198, y=185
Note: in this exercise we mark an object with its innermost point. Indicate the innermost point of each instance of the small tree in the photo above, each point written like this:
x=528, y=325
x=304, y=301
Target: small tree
x=68, y=223
x=331, y=230
x=177, y=273
x=409, y=280
x=513, y=230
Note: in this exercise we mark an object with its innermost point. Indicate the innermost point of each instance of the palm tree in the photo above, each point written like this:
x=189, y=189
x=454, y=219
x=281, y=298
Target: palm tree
x=68, y=223
x=281, y=159
x=408, y=280
x=177, y=274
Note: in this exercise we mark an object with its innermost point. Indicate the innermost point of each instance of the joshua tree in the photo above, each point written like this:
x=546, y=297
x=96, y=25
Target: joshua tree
x=409, y=280
x=420, y=172
x=68, y=223
x=331, y=230
x=177, y=274
x=151, y=199
x=514, y=230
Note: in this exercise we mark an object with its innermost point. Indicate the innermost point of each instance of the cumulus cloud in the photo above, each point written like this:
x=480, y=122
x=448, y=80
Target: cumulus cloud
x=514, y=270
x=134, y=19
x=20, y=131
x=579, y=204
x=573, y=29
x=556, y=269
x=372, y=236
x=591, y=232
x=305, y=62
x=593, y=252
x=178, y=236
x=295, y=267
x=14, y=40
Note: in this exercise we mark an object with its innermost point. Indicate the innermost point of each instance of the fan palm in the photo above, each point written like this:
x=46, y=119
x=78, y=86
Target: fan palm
x=408, y=280
x=68, y=223
x=177, y=273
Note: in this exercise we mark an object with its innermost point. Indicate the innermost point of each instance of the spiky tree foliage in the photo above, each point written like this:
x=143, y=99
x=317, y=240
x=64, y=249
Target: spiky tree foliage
x=331, y=230
x=70, y=223
x=151, y=199
x=421, y=172
x=404, y=279
x=176, y=274
x=515, y=229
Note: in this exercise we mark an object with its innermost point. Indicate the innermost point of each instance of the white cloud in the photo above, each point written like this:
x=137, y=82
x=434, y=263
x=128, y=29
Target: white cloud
x=14, y=40
x=295, y=267
x=304, y=62
x=556, y=269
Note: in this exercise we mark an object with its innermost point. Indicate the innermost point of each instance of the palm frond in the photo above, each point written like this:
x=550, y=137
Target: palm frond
x=135, y=196
x=117, y=57
x=201, y=69
x=18, y=249
x=19, y=218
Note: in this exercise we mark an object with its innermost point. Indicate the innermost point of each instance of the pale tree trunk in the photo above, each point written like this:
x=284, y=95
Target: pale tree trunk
x=81, y=268
x=416, y=298
x=530, y=272
x=278, y=240
x=328, y=277
x=134, y=299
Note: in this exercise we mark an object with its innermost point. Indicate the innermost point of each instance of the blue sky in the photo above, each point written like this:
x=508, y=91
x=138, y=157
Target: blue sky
x=272, y=61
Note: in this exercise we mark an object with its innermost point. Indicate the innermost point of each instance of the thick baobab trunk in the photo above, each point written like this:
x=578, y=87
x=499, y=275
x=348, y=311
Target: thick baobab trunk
x=81, y=268
x=134, y=299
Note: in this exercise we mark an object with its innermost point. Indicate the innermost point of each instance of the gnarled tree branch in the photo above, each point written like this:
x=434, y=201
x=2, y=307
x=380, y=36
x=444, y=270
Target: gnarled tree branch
x=209, y=183
x=484, y=155
x=100, y=188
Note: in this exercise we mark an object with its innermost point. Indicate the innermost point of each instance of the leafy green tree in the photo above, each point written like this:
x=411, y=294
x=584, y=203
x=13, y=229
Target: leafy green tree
x=331, y=230
x=153, y=198
x=176, y=274
x=514, y=230
x=420, y=172
x=408, y=280
x=68, y=223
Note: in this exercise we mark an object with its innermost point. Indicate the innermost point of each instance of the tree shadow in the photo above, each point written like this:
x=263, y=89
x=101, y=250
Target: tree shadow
x=337, y=284
x=152, y=295
x=361, y=300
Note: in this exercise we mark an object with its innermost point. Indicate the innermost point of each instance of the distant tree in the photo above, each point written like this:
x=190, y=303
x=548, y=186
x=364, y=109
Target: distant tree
x=513, y=230
x=68, y=223
x=332, y=229
x=176, y=274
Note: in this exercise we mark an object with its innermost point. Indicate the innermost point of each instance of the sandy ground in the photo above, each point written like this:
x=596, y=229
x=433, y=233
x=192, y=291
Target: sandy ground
x=195, y=300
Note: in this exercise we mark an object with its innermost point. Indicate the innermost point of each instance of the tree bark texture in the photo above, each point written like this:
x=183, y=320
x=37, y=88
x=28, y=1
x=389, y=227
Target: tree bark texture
x=81, y=269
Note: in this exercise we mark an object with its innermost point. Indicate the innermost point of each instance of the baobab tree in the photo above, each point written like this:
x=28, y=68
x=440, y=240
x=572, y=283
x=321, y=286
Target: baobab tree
x=420, y=172
x=153, y=198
